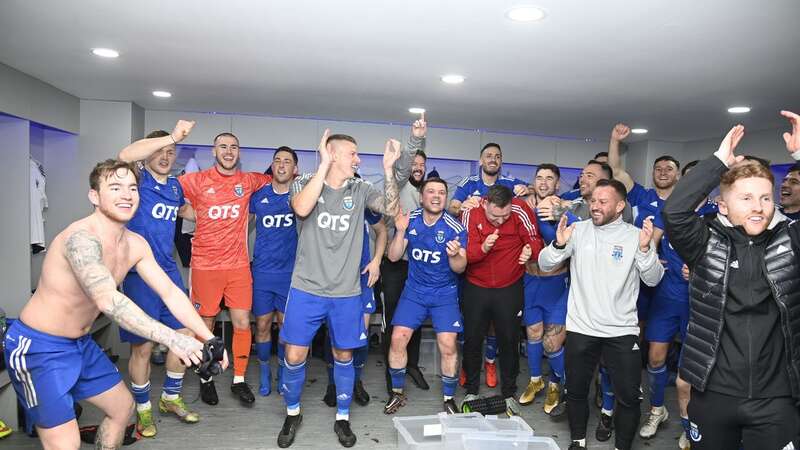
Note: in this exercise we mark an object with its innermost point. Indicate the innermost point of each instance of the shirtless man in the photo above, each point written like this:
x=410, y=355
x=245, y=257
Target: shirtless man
x=51, y=356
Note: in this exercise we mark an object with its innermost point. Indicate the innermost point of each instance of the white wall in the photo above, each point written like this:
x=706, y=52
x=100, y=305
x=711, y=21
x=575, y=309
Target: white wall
x=304, y=134
x=24, y=96
x=15, y=239
x=764, y=143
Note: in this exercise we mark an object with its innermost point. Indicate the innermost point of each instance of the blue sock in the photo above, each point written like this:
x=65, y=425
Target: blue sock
x=264, y=350
x=535, y=351
x=281, y=355
x=398, y=378
x=328, y=357
x=686, y=426
x=556, y=360
x=448, y=386
x=293, y=379
x=344, y=377
x=360, y=360
x=141, y=394
x=173, y=383
x=658, y=382
x=607, y=388
x=491, y=348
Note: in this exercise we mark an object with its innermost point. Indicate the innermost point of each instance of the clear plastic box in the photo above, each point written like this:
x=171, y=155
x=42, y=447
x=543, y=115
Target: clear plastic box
x=418, y=432
x=505, y=440
x=514, y=423
x=458, y=425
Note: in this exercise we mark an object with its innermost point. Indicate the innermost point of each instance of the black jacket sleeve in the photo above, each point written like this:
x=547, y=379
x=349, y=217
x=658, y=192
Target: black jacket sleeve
x=688, y=232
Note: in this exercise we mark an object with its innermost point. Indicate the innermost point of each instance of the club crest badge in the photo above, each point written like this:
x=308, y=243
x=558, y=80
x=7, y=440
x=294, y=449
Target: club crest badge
x=175, y=190
x=616, y=253
x=238, y=190
x=440, y=237
x=347, y=203
x=694, y=432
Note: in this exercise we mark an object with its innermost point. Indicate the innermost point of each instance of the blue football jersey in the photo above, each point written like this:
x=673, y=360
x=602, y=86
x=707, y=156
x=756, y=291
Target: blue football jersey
x=672, y=285
x=571, y=195
x=276, y=232
x=474, y=186
x=155, y=218
x=644, y=203
x=428, y=263
x=370, y=218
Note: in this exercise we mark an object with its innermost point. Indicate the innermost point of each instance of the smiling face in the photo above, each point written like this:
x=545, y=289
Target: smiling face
x=284, y=168
x=345, y=157
x=418, y=168
x=226, y=152
x=545, y=183
x=162, y=160
x=606, y=205
x=491, y=160
x=749, y=203
x=590, y=175
x=790, y=192
x=433, y=196
x=665, y=174
x=117, y=195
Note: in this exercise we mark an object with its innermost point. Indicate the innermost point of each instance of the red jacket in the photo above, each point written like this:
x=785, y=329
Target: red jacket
x=500, y=267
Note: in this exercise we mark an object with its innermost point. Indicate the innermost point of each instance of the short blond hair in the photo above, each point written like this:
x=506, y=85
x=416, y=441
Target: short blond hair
x=750, y=170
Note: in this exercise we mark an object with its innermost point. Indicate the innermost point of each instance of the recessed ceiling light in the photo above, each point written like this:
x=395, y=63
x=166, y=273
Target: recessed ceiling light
x=639, y=131
x=739, y=109
x=453, y=79
x=162, y=94
x=416, y=110
x=105, y=52
x=525, y=13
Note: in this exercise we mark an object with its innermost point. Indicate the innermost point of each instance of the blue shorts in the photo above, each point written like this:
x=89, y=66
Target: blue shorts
x=137, y=290
x=367, y=296
x=305, y=313
x=50, y=373
x=546, y=299
x=668, y=317
x=414, y=307
x=270, y=291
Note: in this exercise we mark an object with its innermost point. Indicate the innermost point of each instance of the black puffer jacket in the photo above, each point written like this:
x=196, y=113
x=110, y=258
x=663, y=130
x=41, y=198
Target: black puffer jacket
x=744, y=329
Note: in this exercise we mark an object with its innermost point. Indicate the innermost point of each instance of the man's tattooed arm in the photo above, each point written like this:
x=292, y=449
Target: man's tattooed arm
x=388, y=201
x=84, y=251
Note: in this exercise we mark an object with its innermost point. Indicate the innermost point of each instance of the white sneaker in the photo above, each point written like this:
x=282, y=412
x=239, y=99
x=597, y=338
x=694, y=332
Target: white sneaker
x=656, y=418
x=683, y=442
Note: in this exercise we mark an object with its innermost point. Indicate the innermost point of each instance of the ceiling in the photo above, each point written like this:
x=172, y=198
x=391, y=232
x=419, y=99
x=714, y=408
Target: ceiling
x=671, y=66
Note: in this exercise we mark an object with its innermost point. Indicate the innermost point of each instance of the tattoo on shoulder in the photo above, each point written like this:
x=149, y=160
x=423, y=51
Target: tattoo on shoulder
x=83, y=249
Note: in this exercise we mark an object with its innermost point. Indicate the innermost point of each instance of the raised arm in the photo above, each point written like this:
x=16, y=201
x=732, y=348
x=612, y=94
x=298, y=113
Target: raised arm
x=143, y=148
x=792, y=139
x=304, y=201
x=389, y=203
x=646, y=258
x=560, y=249
x=618, y=134
x=84, y=252
x=398, y=245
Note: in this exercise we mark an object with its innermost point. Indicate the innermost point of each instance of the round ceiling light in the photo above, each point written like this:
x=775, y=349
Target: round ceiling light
x=525, y=13
x=639, y=130
x=739, y=109
x=162, y=94
x=105, y=52
x=416, y=110
x=452, y=79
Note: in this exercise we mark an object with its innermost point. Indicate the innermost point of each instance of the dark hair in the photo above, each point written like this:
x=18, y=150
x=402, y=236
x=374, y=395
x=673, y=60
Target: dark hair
x=491, y=144
x=795, y=168
x=499, y=196
x=616, y=185
x=764, y=162
x=226, y=134
x=104, y=169
x=341, y=137
x=421, y=153
x=689, y=166
x=432, y=180
x=667, y=158
x=551, y=167
x=288, y=150
x=604, y=167
x=157, y=134
x=600, y=155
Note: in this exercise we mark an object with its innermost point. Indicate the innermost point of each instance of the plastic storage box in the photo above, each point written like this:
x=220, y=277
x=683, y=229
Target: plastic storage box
x=418, y=432
x=504, y=440
x=458, y=425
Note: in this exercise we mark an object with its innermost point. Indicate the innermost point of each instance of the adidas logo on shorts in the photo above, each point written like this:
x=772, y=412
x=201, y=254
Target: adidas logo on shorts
x=456, y=324
x=363, y=336
x=635, y=346
x=413, y=232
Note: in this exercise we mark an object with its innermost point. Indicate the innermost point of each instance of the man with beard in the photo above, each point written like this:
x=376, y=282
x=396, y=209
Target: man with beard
x=545, y=309
x=435, y=241
x=502, y=237
x=575, y=192
x=273, y=259
x=790, y=193
x=52, y=359
x=740, y=354
x=220, y=264
x=607, y=257
x=161, y=202
x=663, y=308
x=395, y=273
x=467, y=196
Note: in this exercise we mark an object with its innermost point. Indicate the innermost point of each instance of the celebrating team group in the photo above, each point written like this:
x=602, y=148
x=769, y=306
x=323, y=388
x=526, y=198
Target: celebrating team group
x=584, y=278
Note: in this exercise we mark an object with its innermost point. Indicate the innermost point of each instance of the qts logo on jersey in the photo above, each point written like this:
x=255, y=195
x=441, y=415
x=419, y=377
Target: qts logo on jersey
x=334, y=222
x=426, y=255
x=164, y=212
x=223, y=212
x=278, y=221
